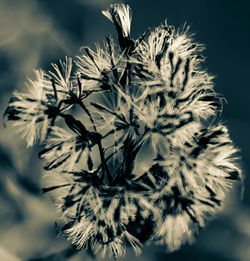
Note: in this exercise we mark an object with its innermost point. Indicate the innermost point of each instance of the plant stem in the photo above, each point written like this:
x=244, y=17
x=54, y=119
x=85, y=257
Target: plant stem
x=105, y=168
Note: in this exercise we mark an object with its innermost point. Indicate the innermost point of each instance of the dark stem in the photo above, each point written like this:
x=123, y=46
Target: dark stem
x=54, y=88
x=105, y=168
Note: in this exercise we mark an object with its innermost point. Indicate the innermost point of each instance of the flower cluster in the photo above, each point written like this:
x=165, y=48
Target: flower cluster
x=133, y=133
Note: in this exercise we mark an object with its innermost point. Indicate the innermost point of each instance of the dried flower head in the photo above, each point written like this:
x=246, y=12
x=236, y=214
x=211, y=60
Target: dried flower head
x=143, y=156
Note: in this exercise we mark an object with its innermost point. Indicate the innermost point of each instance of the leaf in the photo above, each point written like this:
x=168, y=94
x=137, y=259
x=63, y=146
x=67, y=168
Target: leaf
x=100, y=107
x=90, y=162
x=75, y=125
x=69, y=201
x=44, y=151
x=141, y=38
x=56, y=163
x=11, y=113
x=67, y=225
x=234, y=175
x=159, y=56
x=87, y=50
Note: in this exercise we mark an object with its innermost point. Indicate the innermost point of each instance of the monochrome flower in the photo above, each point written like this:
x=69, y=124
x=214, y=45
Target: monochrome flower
x=62, y=77
x=143, y=157
x=120, y=15
x=98, y=216
x=33, y=111
x=192, y=185
x=96, y=67
x=65, y=147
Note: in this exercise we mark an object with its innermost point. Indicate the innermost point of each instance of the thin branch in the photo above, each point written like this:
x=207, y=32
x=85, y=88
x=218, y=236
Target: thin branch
x=105, y=168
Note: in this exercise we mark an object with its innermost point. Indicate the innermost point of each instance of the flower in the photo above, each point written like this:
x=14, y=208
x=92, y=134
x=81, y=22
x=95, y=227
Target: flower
x=196, y=177
x=169, y=62
x=98, y=216
x=32, y=111
x=95, y=66
x=105, y=231
x=74, y=143
x=35, y=111
x=120, y=15
x=143, y=156
x=63, y=78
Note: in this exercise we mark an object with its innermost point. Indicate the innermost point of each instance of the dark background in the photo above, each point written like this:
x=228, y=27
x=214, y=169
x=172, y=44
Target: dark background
x=34, y=33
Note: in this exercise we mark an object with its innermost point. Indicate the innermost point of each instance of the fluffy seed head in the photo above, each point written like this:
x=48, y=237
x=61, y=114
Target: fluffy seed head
x=134, y=134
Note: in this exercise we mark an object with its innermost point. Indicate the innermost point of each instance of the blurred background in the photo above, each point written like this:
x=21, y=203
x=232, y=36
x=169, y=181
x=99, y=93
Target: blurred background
x=35, y=33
